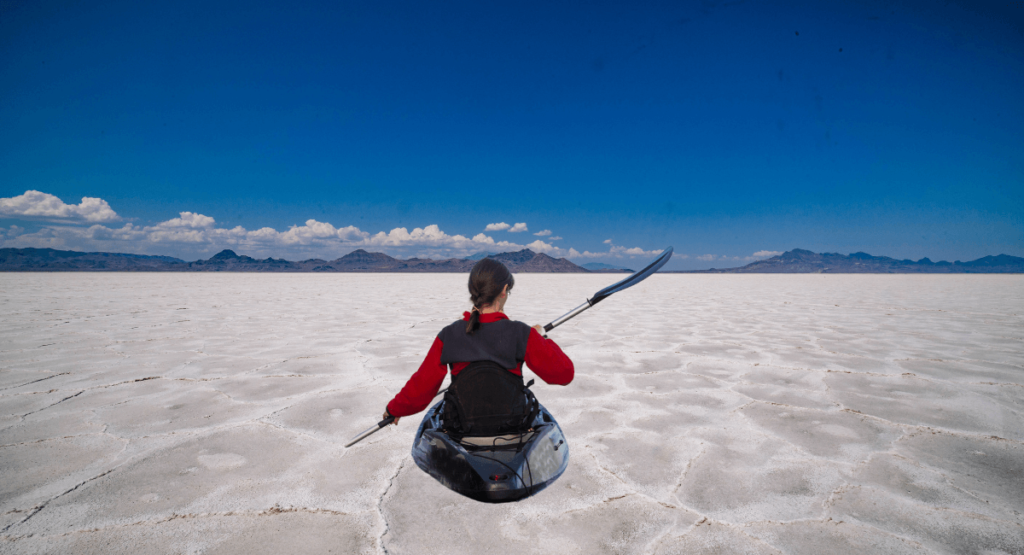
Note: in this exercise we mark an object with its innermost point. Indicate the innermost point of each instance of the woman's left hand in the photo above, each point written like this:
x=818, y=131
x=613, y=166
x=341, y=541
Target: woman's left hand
x=388, y=415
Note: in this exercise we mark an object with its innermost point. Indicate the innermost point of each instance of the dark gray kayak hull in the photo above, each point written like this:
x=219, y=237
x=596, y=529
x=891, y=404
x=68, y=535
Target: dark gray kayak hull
x=492, y=470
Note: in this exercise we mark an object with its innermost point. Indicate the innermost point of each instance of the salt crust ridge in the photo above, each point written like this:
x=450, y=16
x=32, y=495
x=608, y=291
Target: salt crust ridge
x=781, y=414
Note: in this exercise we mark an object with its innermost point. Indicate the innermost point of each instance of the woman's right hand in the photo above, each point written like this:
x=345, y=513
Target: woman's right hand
x=388, y=415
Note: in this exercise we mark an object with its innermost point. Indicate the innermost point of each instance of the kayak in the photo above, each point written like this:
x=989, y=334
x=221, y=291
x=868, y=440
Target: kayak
x=494, y=469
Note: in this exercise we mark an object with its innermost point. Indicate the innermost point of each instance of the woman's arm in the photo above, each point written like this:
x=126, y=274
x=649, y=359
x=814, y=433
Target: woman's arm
x=547, y=360
x=422, y=386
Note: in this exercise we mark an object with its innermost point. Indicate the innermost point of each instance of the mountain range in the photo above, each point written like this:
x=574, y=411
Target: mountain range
x=796, y=261
x=50, y=260
x=799, y=261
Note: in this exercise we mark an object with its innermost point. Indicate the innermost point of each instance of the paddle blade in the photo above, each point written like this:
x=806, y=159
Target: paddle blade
x=633, y=279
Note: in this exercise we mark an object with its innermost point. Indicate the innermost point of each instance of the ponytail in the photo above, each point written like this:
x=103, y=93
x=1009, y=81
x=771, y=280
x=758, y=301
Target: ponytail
x=486, y=281
x=474, y=321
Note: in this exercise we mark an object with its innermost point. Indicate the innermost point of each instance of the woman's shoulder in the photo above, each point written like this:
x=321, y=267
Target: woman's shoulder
x=507, y=322
x=457, y=324
x=520, y=325
x=520, y=329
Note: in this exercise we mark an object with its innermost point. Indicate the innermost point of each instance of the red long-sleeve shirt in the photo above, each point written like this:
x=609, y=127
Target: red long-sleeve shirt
x=543, y=356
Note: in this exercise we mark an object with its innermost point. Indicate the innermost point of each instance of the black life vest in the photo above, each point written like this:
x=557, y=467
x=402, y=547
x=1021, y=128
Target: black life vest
x=485, y=399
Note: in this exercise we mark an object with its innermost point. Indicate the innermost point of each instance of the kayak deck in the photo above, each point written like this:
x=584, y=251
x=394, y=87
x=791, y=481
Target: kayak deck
x=495, y=469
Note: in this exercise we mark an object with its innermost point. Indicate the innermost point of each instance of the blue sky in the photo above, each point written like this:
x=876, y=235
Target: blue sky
x=729, y=130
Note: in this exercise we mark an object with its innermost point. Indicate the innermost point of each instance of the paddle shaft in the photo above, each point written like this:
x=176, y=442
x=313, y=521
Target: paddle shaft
x=567, y=316
x=372, y=430
x=378, y=427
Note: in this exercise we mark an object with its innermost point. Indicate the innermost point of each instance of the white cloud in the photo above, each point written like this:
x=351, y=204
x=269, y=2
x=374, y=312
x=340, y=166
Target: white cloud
x=766, y=254
x=573, y=253
x=607, y=241
x=518, y=228
x=11, y=233
x=188, y=220
x=312, y=233
x=192, y=235
x=497, y=227
x=426, y=236
x=36, y=204
x=706, y=257
x=635, y=251
x=484, y=240
x=546, y=248
x=614, y=252
x=197, y=235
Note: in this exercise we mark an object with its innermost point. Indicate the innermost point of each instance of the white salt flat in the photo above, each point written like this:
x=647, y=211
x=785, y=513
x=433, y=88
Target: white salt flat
x=206, y=413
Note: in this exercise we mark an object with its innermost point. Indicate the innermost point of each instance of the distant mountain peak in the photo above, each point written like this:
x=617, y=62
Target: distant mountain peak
x=226, y=254
x=798, y=253
x=360, y=255
x=480, y=255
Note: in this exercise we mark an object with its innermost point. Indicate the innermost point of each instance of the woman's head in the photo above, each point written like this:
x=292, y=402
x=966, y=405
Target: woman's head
x=489, y=281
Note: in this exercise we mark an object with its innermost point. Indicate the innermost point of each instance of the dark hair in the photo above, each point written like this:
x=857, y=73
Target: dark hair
x=486, y=280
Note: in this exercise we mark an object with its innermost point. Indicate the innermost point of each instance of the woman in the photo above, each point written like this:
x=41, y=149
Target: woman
x=483, y=340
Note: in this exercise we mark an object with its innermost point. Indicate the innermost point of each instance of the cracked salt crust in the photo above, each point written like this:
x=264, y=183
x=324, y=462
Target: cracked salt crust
x=741, y=414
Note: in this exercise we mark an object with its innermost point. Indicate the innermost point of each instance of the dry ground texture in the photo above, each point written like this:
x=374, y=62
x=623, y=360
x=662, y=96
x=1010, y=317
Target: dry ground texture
x=187, y=413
